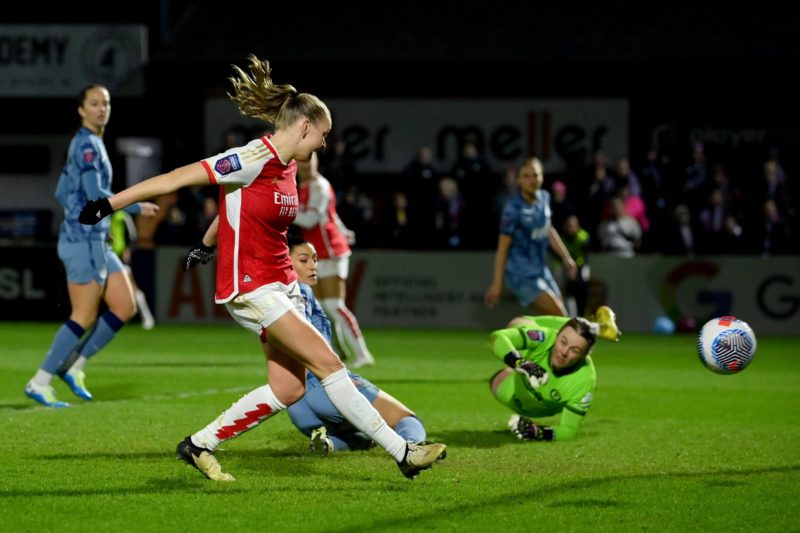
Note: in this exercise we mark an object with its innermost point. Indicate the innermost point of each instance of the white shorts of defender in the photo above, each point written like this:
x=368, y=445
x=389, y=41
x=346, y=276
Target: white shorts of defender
x=258, y=309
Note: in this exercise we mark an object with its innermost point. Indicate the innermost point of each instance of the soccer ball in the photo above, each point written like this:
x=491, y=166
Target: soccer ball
x=726, y=345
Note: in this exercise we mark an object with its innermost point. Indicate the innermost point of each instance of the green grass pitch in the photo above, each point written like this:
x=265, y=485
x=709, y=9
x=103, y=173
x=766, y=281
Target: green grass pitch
x=667, y=445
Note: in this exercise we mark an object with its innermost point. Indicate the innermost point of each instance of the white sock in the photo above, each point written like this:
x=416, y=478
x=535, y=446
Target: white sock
x=245, y=414
x=144, y=310
x=79, y=363
x=347, y=331
x=358, y=411
x=42, y=378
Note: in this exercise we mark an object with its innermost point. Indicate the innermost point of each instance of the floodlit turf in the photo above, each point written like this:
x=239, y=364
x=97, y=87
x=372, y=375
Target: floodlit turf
x=667, y=445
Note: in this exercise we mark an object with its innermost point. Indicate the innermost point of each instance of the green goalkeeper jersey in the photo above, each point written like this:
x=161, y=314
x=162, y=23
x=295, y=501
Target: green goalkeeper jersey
x=568, y=393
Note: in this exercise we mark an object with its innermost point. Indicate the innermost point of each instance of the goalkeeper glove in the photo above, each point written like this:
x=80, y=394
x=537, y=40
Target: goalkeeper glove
x=199, y=253
x=526, y=429
x=94, y=211
x=537, y=376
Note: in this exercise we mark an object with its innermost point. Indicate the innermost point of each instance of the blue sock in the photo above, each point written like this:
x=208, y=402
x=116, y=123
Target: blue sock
x=107, y=326
x=67, y=337
x=411, y=429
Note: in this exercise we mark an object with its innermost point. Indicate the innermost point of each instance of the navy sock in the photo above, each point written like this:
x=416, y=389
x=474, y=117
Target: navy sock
x=107, y=326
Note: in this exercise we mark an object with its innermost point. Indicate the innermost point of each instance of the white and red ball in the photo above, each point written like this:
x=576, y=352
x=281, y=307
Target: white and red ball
x=726, y=345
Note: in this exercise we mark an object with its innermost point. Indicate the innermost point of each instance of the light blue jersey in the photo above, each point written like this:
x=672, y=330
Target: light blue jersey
x=528, y=225
x=86, y=176
x=315, y=314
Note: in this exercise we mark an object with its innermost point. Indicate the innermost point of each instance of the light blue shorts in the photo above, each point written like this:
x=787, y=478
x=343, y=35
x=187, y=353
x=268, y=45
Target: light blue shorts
x=528, y=288
x=88, y=260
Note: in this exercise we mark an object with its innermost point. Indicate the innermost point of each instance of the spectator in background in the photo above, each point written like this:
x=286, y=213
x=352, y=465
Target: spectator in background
x=506, y=191
x=209, y=212
x=733, y=200
x=338, y=165
x=655, y=181
x=599, y=160
x=598, y=166
x=774, y=237
x=600, y=191
x=635, y=206
x=780, y=173
x=624, y=174
x=178, y=225
x=356, y=210
x=712, y=222
x=420, y=173
x=679, y=235
x=733, y=238
x=421, y=188
x=695, y=177
x=449, y=216
x=619, y=233
x=577, y=239
x=475, y=182
x=560, y=205
x=471, y=169
x=774, y=188
x=398, y=225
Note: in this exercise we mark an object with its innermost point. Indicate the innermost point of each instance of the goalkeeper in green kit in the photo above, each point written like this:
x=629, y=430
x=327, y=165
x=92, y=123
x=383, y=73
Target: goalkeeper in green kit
x=550, y=372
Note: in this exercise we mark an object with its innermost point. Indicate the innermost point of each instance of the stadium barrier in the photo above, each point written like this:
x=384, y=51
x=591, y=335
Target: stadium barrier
x=445, y=289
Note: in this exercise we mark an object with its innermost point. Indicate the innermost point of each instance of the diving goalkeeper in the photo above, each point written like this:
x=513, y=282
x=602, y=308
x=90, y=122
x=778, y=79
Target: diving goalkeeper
x=550, y=372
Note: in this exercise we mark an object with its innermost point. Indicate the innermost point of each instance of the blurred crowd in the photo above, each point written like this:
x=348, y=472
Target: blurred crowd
x=698, y=206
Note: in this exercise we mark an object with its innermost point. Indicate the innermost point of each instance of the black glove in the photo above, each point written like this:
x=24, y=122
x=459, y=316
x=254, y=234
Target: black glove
x=526, y=429
x=536, y=374
x=199, y=253
x=94, y=211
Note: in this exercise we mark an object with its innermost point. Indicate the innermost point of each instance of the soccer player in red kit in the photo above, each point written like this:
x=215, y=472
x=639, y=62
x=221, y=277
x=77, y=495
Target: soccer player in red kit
x=323, y=228
x=255, y=279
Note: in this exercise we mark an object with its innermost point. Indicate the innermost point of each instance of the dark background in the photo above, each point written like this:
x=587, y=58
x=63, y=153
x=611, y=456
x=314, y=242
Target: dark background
x=679, y=66
x=736, y=65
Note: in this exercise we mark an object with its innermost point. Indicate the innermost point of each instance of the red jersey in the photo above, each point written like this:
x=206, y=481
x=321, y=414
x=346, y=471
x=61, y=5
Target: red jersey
x=322, y=227
x=257, y=203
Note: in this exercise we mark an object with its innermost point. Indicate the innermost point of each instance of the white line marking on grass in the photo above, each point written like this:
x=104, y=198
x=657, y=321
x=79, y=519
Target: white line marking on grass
x=150, y=398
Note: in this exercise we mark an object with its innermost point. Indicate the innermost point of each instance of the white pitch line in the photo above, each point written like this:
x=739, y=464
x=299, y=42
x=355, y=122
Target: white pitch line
x=150, y=398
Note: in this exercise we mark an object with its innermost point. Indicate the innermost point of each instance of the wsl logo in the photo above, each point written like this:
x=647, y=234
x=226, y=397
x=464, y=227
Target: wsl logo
x=227, y=164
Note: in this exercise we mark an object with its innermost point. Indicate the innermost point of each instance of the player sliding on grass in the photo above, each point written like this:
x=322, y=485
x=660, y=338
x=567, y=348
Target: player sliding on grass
x=314, y=414
x=551, y=371
x=255, y=279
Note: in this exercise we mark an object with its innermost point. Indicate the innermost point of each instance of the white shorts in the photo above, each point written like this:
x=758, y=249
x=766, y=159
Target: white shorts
x=334, y=267
x=257, y=310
